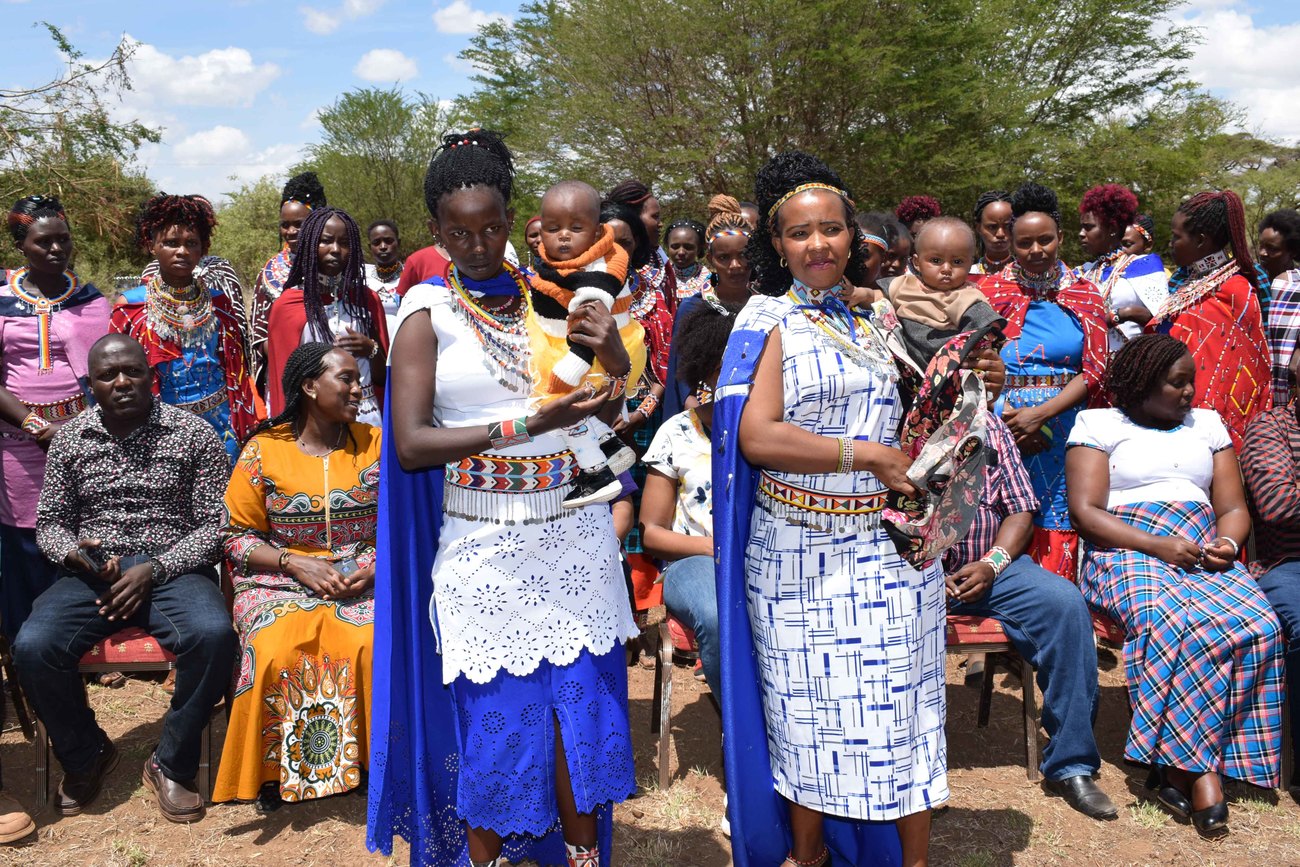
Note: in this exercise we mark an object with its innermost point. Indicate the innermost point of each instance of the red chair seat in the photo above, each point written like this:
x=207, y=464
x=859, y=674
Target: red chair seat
x=126, y=648
x=1107, y=629
x=965, y=629
x=683, y=637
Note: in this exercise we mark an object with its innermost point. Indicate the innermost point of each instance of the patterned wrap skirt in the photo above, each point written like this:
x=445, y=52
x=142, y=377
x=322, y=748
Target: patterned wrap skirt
x=1203, y=655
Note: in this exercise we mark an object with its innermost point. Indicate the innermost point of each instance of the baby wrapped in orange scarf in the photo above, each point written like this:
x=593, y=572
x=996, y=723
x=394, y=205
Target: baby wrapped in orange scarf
x=581, y=264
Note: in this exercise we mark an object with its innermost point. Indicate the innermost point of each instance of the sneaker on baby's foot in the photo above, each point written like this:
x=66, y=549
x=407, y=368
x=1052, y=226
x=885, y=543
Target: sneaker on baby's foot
x=592, y=486
x=619, y=457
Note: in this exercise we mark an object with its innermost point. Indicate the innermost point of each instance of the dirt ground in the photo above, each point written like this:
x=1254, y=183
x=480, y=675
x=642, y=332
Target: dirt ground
x=995, y=817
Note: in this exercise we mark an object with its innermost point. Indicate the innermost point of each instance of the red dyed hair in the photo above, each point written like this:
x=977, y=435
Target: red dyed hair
x=1222, y=217
x=915, y=208
x=1113, y=204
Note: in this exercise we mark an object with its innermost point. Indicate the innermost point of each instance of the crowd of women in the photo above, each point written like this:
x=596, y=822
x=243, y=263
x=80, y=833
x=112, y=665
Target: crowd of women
x=426, y=610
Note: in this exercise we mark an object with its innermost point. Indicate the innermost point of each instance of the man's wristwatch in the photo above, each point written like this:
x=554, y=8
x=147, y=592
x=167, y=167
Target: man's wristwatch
x=159, y=576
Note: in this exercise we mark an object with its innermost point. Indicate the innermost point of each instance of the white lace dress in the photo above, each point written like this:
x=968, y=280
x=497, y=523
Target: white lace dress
x=518, y=579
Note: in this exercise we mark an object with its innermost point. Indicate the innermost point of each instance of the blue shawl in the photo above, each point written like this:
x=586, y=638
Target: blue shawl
x=760, y=819
x=413, y=744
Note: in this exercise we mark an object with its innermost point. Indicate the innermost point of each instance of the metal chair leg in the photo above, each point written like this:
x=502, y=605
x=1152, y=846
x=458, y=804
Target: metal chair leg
x=41, y=748
x=1031, y=720
x=205, y=763
x=991, y=661
x=664, y=694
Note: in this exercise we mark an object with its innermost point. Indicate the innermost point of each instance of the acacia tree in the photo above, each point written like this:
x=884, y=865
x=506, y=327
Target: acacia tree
x=946, y=97
x=375, y=146
x=60, y=138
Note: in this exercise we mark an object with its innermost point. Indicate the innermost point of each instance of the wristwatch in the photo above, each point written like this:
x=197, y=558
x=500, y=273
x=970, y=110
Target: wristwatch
x=159, y=576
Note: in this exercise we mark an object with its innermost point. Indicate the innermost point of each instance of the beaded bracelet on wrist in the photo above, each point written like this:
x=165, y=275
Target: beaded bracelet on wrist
x=845, y=464
x=34, y=424
x=998, y=559
x=511, y=432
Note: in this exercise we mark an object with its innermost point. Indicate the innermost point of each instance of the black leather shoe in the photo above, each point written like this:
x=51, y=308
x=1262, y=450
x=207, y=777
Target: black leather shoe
x=78, y=790
x=1082, y=794
x=1168, y=796
x=1212, y=821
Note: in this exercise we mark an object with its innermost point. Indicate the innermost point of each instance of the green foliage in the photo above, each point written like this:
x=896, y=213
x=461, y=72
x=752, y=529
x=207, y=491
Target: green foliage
x=60, y=139
x=374, y=149
x=248, y=229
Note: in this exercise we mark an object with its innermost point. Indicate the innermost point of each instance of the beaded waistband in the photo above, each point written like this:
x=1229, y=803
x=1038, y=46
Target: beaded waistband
x=538, y=484
x=1048, y=380
x=792, y=501
x=204, y=404
x=59, y=410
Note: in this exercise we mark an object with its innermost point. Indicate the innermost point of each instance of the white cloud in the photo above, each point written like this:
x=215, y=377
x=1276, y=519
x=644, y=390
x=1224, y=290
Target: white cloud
x=220, y=77
x=218, y=146
x=323, y=22
x=319, y=21
x=1228, y=62
x=461, y=17
x=385, y=65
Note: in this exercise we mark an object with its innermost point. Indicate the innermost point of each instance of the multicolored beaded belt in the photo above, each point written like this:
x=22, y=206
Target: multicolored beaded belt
x=821, y=502
x=1050, y=380
x=204, y=404
x=59, y=410
x=474, y=486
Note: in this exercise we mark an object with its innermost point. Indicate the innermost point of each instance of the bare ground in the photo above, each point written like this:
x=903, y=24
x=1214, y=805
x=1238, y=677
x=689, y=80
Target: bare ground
x=996, y=817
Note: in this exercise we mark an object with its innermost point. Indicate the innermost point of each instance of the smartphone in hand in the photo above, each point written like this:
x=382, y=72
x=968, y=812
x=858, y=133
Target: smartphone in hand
x=95, y=558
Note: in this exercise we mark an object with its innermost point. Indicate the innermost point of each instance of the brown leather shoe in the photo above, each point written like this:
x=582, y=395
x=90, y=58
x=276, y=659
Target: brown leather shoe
x=15, y=823
x=179, y=802
x=78, y=790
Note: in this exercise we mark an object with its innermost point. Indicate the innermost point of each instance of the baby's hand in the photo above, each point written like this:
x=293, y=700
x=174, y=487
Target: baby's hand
x=859, y=296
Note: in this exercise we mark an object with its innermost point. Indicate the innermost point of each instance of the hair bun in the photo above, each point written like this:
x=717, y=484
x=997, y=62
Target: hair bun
x=721, y=205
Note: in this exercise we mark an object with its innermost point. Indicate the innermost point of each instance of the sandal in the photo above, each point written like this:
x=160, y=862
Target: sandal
x=112, y=679
x=822, y=860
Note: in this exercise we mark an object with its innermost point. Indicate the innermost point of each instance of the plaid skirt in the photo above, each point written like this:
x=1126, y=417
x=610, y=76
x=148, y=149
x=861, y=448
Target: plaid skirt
x=1203, y=655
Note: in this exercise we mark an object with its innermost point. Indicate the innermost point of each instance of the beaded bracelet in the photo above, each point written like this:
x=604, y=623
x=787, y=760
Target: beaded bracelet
x=845, y=464
x=34, y=424
x=998, y=559
x=511, y=432
x=648, y=405
x=618, y=383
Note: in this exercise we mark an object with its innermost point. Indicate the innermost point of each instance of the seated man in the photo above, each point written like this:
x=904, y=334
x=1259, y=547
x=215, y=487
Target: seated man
x=1270, y=463
x=1043, y=614
x=131, y=510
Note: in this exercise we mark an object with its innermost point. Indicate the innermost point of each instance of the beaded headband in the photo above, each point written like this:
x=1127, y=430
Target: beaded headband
x=868, y=238
x=728, y=233
x=802, y=188
x=1144, y=233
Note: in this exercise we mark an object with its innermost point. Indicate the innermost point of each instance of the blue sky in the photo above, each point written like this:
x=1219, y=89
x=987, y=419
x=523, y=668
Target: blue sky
x=235, y=84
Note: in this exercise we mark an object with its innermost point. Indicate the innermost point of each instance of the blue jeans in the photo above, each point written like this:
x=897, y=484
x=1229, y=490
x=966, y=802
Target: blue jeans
x=1281, y=585
x=187, y=615
x=1047, y=620
x=691, y=594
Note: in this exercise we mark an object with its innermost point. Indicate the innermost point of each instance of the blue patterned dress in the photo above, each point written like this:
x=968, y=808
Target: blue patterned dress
x=849, y=637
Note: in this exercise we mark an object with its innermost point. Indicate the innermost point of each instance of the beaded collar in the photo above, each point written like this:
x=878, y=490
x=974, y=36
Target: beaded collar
x=503, y=335
x=185, y=316
x=848, y=331
x=1042, y=286
x=1201, y=267
x=388, y=273
x=1195, y=288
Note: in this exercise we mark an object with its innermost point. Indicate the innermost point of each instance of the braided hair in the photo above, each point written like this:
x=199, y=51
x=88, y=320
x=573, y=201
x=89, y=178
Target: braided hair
x=914, y=208
x=305, y=273
x=1138, y=368
x=305, y=189
x=687, y=223
x=701, y=342
x=643, y=249
x=163, y=211
x=1032, y=198
x=477, y=157
x=1286, y=223
x=880, y=224
x=630, y=192
x=1222, y=217
x=725, y=215
x=1146, y=222
x=783, y=173
x=304, y=363
x=985, y=199
x=28, y=210
x=1113, y=204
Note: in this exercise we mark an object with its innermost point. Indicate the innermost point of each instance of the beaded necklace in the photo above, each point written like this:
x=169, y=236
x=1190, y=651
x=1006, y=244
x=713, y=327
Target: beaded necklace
x=502, y=334
x=1118, y=261
x=643, y=297
x=1196, y=288
x=988, y=266
x=1042, y=287
x=185, y=316
x=847, y=331
x=388, y=273
x=44, y=307
x=689, y=272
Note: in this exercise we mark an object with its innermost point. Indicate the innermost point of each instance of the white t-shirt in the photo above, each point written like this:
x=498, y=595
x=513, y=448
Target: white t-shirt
x=1149, y=465
x=681, y=451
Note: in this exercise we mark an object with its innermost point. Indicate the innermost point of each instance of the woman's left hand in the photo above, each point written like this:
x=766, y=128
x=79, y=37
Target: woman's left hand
x=359, y=345
x=592, y=325
x=1218, y=556
x=988, y=364
x=1025, y=421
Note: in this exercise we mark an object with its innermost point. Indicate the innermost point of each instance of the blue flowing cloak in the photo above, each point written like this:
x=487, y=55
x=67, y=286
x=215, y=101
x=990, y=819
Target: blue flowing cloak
x=759, y=816
x=413, y=743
